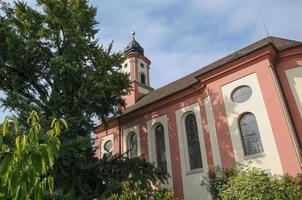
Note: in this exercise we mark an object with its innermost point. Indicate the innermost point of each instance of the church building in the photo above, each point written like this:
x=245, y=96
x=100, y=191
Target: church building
x=244, y=108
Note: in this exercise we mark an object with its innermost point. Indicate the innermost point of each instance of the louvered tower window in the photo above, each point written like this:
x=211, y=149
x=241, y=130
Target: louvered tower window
x=143, y=78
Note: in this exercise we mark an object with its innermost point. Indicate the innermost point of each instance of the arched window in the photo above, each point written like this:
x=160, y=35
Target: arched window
x=193, y=142
x=142, y=65
x=143, y=78
x=160, y=148
x=250, y=134
x=132, y=145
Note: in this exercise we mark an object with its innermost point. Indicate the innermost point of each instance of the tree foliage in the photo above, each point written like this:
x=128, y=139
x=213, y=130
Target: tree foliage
x=105, y=176
x=52, y=62
x=25, y=163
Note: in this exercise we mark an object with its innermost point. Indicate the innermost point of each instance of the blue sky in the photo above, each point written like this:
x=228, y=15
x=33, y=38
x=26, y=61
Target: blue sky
x=180, y=36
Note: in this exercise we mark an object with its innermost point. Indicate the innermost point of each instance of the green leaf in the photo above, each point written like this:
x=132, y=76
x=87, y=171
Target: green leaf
x=45, y=157
x=23, y=193
x=16, y=192
x=18, y=149
x=54, y=120
x=5, y=163
x=50, y=184
x=51, y=156
x=36, y=160
x=1, y=141
x=54, y=145
x=16, y=125
x=64, y=122
x=15, y=180
x=31, y=180
x=4, y=127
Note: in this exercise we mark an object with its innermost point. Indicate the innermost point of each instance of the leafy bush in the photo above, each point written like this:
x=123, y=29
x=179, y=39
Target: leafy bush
x=154, y=192
x=216, y=180
x=252, y=184
x=113, y=170
x=24, y=164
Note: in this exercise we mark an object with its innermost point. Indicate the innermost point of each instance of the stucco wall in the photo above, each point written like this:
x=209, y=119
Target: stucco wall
x=191, y=178
x=163, y=120
x=217, y=118
x=294, y=76
x=270, y=159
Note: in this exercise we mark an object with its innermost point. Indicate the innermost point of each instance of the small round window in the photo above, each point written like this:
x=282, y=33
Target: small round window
x=108, y=146
x=241, y=94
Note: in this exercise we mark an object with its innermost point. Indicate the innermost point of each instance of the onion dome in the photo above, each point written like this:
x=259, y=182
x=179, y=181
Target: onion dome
x=133, y=47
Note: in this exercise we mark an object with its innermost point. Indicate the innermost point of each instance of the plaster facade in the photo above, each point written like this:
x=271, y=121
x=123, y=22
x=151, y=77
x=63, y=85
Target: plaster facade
x=272, y=70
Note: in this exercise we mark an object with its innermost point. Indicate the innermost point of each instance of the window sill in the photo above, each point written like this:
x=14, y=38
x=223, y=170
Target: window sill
x=253, y=156
x=195, y=171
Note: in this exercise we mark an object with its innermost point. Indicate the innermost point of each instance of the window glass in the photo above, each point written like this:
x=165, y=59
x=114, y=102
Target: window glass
x=250, y=134
x=160, y=148
x=108, y=146
x=132, y=145
x=193, y=142
x=241, y=94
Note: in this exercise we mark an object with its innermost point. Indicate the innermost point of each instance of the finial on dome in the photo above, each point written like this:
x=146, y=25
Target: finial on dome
x=133, y=34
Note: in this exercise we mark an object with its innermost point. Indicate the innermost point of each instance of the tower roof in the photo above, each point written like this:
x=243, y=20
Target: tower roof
x=133, y=47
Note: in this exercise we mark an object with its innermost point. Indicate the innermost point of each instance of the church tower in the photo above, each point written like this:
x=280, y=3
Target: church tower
x=138, y=66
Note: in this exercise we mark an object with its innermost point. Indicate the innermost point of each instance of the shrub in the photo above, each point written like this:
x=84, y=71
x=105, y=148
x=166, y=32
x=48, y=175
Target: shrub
x=112, y=170
x=252, y=184
x=153, y=192
x=216, y=180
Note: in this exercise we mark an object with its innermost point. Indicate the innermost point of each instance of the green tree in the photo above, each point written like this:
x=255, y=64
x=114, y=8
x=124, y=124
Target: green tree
x=51, y=61
x=24, y=164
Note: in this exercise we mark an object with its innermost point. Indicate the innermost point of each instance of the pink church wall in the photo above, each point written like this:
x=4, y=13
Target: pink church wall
x=288, y=60
x=168, y=108
x=260, y=62
x=101, y=132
